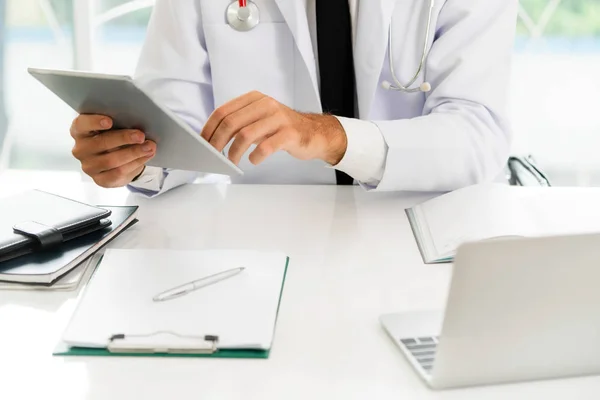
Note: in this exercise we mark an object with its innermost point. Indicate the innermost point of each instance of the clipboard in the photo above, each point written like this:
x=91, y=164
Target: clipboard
x=168, y=343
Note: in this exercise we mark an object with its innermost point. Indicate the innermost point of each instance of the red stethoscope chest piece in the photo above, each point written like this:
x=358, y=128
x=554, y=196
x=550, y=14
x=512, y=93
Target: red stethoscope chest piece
x=243, y=15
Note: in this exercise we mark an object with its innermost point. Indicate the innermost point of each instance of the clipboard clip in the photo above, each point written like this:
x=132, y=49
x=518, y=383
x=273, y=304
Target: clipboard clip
x=162, y=342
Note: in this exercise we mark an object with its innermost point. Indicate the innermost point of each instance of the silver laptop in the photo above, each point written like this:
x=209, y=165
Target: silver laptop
x=517, y=310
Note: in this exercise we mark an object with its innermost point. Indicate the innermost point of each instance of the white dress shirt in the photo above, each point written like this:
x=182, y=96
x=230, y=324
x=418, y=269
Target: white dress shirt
x=366, y=150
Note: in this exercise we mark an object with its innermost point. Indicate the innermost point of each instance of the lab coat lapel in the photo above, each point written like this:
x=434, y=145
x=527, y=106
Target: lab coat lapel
x=294, y=13
x=374, y=18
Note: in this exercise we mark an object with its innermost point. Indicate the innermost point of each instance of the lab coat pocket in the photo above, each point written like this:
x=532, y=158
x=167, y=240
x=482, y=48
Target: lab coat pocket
x=260, y=59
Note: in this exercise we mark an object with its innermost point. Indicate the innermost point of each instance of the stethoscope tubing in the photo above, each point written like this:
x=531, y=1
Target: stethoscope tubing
x=244, y=15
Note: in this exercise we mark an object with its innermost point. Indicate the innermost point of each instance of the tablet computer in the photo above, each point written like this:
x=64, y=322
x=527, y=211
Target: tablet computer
x=130, y=107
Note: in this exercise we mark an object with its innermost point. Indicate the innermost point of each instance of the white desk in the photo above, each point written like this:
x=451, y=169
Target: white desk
x=353, y=257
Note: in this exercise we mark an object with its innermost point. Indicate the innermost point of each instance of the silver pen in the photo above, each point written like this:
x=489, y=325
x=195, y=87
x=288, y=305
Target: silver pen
x=189, y=287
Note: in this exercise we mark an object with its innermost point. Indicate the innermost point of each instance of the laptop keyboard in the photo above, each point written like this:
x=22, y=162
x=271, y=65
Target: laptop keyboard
x=423, y=350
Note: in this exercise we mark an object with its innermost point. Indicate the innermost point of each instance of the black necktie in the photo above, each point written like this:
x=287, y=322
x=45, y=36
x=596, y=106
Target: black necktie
x=336, y=65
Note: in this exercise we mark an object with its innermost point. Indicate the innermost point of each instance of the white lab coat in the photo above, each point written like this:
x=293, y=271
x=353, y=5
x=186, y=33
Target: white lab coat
x=456, y=135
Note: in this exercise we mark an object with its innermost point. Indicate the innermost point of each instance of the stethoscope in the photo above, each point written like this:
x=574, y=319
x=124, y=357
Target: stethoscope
x=398, y=86
x=243, y=15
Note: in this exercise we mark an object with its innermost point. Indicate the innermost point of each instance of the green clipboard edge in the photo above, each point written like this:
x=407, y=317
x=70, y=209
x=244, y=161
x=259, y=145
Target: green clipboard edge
x=63, y=350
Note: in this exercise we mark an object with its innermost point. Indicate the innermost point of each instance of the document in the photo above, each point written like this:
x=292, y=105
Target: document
x=495, y=211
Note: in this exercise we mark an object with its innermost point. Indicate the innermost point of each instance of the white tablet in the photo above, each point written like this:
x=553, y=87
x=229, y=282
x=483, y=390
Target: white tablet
x=118, y=97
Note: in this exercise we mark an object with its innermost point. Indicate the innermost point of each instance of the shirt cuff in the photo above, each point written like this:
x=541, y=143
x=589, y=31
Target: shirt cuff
x=151, y=180
x=366, y=152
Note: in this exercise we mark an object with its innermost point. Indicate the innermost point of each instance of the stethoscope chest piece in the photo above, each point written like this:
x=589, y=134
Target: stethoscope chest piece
x=243, y=19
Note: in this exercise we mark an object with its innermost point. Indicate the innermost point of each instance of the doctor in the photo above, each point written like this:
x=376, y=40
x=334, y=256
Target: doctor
x=392, y=94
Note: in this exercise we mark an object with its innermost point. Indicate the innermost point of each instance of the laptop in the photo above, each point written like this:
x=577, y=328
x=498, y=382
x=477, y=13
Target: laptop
x=517, y=310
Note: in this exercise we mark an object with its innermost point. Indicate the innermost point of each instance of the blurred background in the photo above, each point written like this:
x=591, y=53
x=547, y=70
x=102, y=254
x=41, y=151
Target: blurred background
x=555, y=91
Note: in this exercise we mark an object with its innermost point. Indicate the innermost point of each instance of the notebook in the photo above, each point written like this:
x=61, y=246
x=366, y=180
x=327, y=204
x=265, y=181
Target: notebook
x=495, y=211
x=45, y=267
x=68, y=282
x=34, y=221
x=116, y=314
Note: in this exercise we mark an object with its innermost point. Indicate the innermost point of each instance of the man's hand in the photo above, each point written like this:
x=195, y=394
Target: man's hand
x=258, y=119
x=113, y=158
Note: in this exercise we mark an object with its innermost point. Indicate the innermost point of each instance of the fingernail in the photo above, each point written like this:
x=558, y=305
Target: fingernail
x=105, y=123
x=137, y=137
x=147, y=147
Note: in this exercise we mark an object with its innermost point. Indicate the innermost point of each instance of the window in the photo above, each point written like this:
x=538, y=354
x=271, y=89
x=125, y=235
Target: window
x=98, y=35
x=36, y=33
x=556, y=88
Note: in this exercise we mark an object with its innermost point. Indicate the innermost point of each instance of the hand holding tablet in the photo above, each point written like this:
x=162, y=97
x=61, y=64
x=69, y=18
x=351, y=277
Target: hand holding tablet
x=137, y=132
x=112, y=158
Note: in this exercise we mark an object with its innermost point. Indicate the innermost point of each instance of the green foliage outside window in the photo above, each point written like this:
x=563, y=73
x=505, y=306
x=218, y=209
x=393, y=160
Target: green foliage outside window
x=572, y=18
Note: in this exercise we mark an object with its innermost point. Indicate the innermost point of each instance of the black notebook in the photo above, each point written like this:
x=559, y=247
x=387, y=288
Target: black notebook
x=36, y=221
x=45, y=267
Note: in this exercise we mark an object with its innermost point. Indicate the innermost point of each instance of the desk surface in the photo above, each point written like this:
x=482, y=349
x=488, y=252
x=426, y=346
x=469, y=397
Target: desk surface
x=353, y=257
